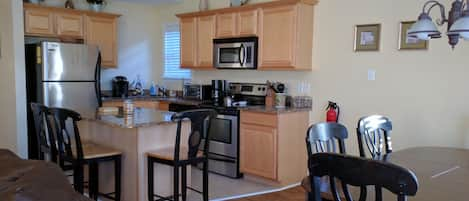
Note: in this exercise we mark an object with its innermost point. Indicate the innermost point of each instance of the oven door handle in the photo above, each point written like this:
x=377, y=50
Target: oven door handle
x=222, y=159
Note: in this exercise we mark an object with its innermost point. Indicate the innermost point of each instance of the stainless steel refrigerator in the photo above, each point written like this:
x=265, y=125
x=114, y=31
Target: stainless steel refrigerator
x=62, y=75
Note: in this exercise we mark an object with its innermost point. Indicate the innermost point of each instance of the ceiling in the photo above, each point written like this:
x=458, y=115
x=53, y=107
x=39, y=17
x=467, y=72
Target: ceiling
x=151, y=1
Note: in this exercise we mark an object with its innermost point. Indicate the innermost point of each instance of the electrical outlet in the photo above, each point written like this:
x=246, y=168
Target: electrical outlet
x=371, y=74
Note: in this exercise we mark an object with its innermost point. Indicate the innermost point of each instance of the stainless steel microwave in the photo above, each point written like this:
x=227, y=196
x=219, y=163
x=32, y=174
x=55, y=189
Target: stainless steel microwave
x=235, y=53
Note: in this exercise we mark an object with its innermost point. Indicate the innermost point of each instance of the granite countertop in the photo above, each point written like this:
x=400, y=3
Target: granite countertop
x=141, y=118
x=156, y=98
x=274, y=110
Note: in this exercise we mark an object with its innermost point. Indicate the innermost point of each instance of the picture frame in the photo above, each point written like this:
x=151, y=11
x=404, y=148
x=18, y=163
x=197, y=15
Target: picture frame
x=367, y=37
x=406, y=43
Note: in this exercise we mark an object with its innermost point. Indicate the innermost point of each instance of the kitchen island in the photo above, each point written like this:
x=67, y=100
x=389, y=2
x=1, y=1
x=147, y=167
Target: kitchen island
x=134, y=135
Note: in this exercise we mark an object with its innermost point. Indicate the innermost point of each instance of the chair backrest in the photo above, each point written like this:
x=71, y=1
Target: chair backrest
x=45, y=137
x=68, y=136
x=322, y=137
x=359, y=171
x=375, y=132
x=200, y=124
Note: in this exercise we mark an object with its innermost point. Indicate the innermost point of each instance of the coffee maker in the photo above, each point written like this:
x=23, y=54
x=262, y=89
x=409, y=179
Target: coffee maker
x=120, y=86
x=219, y=89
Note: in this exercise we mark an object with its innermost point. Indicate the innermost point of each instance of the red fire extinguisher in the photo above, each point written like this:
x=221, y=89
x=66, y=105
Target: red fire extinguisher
x=333, y=112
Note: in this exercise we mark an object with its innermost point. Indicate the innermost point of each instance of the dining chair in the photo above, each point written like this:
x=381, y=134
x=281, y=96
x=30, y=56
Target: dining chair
x=375, y=132
x=323, y=137
x=183, y=156
x=71, y=150
x=359, y=171
x=45, y=138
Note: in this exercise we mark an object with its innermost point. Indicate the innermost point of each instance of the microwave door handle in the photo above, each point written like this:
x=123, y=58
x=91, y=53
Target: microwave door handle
x=241, y=55
x=245, y=55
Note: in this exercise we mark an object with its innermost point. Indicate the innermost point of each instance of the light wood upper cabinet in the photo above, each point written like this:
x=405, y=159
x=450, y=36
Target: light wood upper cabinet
x=70, y=24
x=226, y=25
x=188, y=44
x=258, y=150
x=205, y=34
x=74, y=25
x=277, y=36
x=102, y=31
x=237, y=24
x=284, y=29
x=286, y=37
x=247, y=23
x=38, y=22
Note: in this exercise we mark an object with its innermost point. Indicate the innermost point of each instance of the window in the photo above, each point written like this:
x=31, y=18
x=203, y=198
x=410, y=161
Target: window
x=172, y=54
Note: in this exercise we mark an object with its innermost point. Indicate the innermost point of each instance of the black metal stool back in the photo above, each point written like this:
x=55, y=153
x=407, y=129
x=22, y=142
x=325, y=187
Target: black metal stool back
x=44, y=134
x=324, y=137
x=357, y=171
x=68, y=137
x=375, y=132
x=200, y=125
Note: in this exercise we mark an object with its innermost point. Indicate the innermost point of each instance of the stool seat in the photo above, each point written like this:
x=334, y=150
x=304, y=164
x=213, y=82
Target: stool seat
x=93, y=151
x=167, y=153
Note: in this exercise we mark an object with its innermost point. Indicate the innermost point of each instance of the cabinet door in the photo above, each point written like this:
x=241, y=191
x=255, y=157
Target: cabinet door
x=277, y=37
x=113, y=104
x=258, y=150
x=247, y=23
x=188, y=42
x=102, y=31
x=205, y=35
x=226, y=25
x=69, y=24
x=38, y=22
x=162, y=105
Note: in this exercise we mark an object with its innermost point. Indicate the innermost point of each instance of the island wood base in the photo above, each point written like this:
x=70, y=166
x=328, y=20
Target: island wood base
x=134, y=143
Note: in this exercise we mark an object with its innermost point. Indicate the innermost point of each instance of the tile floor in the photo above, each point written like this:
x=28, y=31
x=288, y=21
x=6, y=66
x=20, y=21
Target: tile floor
x=224, y=188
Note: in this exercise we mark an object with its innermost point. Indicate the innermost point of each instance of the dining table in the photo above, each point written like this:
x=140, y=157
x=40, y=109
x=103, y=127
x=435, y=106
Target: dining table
x=442, y=173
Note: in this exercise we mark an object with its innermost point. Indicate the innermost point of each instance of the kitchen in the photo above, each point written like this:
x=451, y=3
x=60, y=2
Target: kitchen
x=233, y=101
x=328, y=82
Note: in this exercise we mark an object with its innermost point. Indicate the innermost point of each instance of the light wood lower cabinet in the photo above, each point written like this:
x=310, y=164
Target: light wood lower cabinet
x=158, y=105
x=259, y=150
x=272, y=146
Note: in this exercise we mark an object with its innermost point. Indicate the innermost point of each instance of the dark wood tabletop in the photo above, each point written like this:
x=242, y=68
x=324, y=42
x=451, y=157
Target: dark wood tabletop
x=443, y=173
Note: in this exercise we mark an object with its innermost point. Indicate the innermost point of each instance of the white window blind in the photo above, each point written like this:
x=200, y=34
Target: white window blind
x=172, y=54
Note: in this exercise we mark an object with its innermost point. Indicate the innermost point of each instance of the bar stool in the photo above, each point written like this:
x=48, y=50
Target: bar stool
x=181, y=157
x=45, y=138
x=78, y=154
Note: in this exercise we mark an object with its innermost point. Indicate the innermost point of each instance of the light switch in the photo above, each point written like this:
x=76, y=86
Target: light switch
x=371, y=74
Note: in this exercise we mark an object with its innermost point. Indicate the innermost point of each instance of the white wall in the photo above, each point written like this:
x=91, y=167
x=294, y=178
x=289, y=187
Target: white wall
x=13, y=126
x=423, y=92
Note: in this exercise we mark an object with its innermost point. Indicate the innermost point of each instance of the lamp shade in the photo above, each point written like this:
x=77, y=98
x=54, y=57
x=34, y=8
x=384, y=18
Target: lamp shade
x=424, y=29
x=460, y=27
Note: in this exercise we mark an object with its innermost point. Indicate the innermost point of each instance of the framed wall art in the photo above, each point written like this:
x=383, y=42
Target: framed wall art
x=367, y=37
x=407, y=43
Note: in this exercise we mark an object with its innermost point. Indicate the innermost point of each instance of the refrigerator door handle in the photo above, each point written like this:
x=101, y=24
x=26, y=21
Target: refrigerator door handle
x=98, y=80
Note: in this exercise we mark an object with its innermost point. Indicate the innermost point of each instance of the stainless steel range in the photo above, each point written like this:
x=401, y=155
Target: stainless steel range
x=224, y=132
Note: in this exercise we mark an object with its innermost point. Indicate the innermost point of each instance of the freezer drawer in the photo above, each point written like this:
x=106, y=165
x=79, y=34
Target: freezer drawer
x=78, y=96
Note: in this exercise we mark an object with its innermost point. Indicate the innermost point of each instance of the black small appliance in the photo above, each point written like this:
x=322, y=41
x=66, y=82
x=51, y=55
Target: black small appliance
x=120, y=86
x=219, y=89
